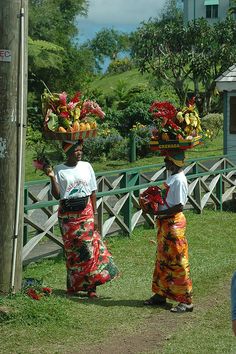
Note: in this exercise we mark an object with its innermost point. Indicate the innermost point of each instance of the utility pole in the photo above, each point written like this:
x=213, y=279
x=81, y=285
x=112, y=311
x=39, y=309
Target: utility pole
x=13, y=93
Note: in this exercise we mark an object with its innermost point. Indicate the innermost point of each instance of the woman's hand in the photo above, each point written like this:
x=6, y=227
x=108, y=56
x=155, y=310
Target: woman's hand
x=96, y=221
x=48, y=170
x=144, y=205
x=234, y=326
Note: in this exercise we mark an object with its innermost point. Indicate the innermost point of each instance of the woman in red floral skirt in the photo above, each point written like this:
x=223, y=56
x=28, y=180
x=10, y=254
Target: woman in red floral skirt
x=88, y=261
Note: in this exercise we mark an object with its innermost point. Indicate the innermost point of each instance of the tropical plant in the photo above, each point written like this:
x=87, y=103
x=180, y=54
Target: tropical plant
x=171, y=124
x=44, y=55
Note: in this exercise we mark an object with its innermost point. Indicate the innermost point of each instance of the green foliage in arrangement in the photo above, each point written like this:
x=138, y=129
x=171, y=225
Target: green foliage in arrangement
x=58, y=324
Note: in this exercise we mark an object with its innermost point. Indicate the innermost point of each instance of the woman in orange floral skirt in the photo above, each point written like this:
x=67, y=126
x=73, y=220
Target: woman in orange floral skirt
x=171, y=277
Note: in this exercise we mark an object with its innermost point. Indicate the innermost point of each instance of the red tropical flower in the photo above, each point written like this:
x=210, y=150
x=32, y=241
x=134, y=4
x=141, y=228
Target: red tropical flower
x=63, y=98
x=38, y=165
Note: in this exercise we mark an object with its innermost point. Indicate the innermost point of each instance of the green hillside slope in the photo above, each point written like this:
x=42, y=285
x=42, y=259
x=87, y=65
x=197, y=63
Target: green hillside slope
x=130, y=79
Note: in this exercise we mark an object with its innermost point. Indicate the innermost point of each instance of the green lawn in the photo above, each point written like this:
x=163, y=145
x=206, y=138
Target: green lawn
x=57, y=324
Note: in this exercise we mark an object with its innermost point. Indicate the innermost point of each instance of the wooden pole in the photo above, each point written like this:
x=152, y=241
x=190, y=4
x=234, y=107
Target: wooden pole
x=13, y=91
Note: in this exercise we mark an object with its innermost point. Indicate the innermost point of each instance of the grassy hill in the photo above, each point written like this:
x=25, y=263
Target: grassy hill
x=130, y=79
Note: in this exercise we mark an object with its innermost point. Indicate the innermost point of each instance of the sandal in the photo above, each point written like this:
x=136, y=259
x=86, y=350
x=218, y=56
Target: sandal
x=71, y=293
x=92, y=294
x=182, y=307
x=155, y=300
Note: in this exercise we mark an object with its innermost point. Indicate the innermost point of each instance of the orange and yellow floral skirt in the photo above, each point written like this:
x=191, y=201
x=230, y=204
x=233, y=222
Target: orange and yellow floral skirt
x=88, y=261
x=171, y=277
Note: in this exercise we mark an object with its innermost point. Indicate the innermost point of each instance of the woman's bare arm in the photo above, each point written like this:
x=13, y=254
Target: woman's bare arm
x=55, y=186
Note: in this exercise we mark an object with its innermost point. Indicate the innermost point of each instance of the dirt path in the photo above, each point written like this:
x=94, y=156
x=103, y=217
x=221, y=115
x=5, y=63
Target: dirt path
x=159, y=328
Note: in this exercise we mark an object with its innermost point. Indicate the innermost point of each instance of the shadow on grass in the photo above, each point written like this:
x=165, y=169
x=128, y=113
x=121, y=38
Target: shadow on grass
x=124, y=303
x=229, y=205
x=82, y=298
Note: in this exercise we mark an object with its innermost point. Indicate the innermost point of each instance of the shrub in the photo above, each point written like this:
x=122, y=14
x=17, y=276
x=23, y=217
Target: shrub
x=120, y=151
x=120, y=66
x=33, y=136
x=94, y=148
x=213, y=122
x=142, y=137
x=135, y=109
x=100, y=147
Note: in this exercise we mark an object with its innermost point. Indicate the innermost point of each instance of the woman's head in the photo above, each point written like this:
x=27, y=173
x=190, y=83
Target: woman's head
x=73, y=150
x=174, y=160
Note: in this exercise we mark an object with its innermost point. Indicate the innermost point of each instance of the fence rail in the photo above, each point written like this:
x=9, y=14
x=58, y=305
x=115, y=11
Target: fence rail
x=210, y=180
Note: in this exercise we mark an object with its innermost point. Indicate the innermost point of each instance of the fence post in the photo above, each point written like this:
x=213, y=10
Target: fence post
x=197, y=189
x=132, y=144
x=219, y=190
x=127, y=208
x=25, y=230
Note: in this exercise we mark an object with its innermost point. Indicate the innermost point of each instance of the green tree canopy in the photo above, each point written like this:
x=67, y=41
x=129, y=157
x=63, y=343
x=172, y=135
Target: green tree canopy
x=163, y=48
x=53, y=55
x=54, y=20
x=180, y=54
x=108, y=43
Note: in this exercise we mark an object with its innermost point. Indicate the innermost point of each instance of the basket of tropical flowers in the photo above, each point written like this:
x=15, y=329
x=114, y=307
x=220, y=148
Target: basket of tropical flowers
x=175, y=129
x=69, y=118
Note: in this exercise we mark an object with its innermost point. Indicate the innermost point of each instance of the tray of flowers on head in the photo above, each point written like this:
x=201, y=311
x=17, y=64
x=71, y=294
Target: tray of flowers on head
x=175, y=129
x=69, y=118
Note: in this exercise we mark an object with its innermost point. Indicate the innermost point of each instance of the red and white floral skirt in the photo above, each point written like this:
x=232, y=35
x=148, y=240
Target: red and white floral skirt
x=88, y=261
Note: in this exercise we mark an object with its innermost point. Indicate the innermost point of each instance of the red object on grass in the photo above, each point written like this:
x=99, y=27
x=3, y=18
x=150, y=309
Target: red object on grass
x=33, y=294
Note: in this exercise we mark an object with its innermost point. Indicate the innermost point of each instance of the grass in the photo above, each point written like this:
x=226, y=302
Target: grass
x=57, y=324
x=130, y=79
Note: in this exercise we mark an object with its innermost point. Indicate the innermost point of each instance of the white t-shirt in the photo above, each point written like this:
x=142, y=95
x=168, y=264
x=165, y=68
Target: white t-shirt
x=77, y=181
x=178, y=190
